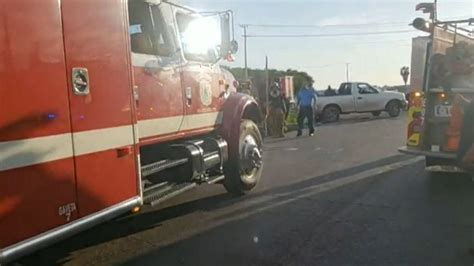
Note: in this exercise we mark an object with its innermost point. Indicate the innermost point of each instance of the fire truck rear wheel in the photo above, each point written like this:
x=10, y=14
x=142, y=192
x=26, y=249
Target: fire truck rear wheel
x=433, y=161
x=244, y=168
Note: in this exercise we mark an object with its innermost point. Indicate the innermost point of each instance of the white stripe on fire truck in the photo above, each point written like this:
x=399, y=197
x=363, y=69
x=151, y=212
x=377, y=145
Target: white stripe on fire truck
x=102, y=139
x=202, y=120
x=159, y=126
x=167, y=125
x=25, y=152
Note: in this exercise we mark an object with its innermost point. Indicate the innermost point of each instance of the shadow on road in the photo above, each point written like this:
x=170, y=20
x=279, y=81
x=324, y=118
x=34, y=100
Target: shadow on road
x=350, y=119
x=362, y=118
x=132, y=224
x=335, y=227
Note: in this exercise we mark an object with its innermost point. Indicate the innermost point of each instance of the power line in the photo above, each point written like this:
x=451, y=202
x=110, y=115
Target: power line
x=327, y=34
x=322, y=66
x=325, y=25
x=398, y=41
x=393, y=23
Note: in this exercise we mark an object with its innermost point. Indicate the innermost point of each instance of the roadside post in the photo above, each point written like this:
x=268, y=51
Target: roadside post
x=405, y=72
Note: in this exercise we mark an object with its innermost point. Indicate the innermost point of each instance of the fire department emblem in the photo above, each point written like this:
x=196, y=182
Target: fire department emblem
x=205, y=93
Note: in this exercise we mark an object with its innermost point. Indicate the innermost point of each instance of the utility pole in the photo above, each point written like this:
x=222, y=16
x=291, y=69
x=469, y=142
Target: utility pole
x=347, y=72
x=267, y=88
x=246, y=70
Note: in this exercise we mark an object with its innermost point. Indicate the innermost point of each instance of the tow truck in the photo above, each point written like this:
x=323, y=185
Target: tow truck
x=110, y=105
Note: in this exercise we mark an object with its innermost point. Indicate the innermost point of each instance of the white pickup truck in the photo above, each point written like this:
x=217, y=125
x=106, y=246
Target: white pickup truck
x=358, y=97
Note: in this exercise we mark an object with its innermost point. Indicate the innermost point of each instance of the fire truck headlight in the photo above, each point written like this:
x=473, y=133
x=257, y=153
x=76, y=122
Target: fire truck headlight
x=422, y=25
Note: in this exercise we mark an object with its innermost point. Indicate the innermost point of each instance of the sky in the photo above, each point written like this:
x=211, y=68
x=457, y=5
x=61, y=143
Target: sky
x=376, y=59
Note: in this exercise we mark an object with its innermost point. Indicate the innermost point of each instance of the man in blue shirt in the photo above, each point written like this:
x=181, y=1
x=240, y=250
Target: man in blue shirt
x=306, y=103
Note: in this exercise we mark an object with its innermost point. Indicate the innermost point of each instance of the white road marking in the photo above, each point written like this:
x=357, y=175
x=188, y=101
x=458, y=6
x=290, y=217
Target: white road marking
x=310, y=191
x=226, y=215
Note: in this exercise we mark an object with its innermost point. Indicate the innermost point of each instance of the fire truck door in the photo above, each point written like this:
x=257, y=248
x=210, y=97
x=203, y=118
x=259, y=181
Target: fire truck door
x=37, y=182
x=101, y=96
x=155, y=61
x=202, y=90
x=201, y=77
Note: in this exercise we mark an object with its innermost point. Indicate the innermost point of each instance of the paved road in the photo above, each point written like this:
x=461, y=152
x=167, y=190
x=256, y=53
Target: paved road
x=343, y=197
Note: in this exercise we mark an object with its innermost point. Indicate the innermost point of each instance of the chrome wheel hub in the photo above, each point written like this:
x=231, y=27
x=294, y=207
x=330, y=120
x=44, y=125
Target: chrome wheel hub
x=251, y=155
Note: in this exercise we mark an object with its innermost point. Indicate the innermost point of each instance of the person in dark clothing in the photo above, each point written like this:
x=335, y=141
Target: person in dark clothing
x=329, y=91
x=277, y=111
x=306, y=103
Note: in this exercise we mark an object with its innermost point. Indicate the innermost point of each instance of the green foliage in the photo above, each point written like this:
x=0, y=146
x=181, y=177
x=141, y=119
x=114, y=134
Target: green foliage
x=257, y=76
x=292, y=117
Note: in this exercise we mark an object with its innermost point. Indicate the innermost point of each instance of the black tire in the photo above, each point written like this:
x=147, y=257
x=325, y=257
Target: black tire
x=432, y=161
x=244, y=167
x=439, y=173
x=393, y=109
x=331, y=114
x=376, y=113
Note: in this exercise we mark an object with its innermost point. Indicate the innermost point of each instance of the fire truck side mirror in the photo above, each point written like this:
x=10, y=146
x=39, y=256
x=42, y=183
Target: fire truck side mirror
x=234, y=47
x=228, y=43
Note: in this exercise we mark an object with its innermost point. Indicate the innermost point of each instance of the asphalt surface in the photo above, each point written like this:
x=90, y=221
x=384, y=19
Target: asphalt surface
x=342, y=197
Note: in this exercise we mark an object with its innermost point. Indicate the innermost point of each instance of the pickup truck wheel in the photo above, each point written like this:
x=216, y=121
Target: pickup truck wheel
x=376, y=113
x=331, y=114
x=393, y=109
x=244, y=168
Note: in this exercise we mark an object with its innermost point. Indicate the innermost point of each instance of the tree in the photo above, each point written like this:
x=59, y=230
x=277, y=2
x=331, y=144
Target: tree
x=257, y=77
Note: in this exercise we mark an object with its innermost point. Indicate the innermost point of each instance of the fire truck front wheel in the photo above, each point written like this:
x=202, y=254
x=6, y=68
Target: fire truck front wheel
x=244, y=168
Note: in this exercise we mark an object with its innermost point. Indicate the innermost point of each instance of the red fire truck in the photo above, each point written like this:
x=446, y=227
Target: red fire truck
x=442, y=85
x=108, y=105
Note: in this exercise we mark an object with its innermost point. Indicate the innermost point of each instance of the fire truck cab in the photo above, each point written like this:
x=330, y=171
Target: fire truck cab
x=108, y=105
